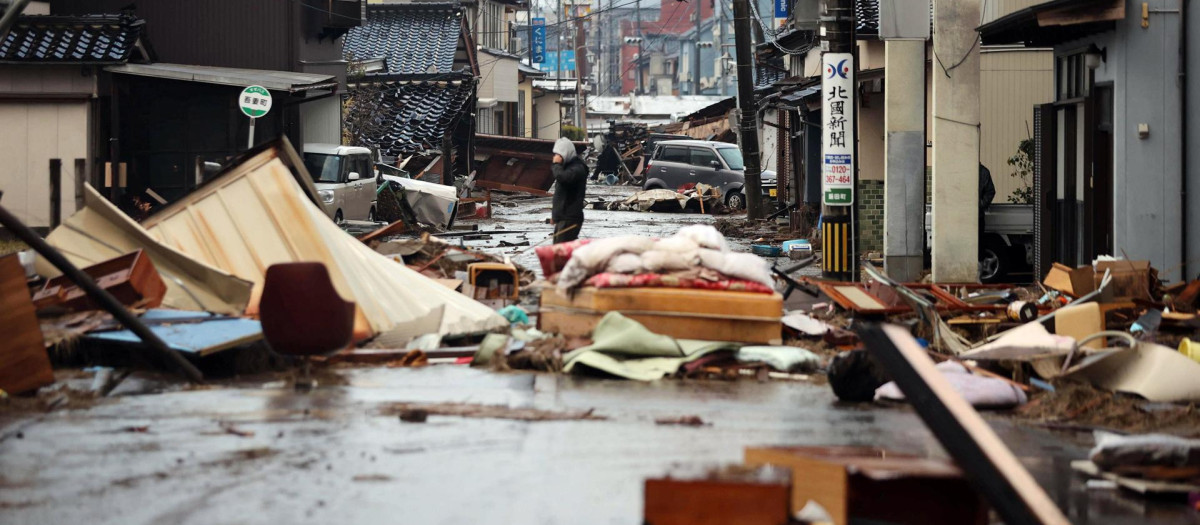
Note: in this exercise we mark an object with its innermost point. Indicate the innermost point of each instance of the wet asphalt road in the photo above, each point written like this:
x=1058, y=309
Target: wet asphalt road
x=332, y=456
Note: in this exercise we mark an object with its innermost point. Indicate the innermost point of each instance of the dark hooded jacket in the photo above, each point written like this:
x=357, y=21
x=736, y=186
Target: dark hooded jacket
x=570, y=180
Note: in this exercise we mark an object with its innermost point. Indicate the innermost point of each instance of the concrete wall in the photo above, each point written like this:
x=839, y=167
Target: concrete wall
x=1142, y=63
x=1012, y=83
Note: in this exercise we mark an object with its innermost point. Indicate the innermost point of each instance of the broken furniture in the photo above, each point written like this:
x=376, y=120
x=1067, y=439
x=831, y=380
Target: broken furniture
x=130, y=278
x=711, y=315
x=24, y=365
x=302, y=313
x=859, y=483
x=97, y=294
x=735, y=494
x=492, y=280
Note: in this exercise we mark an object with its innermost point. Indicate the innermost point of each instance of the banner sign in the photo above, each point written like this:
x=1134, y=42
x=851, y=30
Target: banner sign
x=837, y=119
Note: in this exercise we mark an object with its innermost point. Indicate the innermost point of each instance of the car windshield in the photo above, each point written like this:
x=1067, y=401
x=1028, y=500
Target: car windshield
x=733, y=157
x=323, y=168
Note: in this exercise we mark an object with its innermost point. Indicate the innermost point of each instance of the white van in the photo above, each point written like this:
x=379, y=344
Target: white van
x=345, y=179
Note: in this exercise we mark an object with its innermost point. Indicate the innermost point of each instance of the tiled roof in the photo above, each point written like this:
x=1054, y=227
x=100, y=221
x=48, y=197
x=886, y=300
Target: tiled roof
x=866, y=13
x=413, y=116
x=414, y=38
x=766, y=75
x=93, y=39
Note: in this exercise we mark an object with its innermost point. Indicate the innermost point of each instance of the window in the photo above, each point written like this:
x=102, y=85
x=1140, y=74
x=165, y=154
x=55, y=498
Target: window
x=323, y=168
x=733, y=157
x=703, y=157
x=1072, y=75
x=361, y=164
x=674, y=154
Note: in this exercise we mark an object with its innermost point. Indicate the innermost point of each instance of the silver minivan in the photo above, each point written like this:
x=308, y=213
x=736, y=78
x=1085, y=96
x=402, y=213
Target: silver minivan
x=680, y=164
x=345, y=179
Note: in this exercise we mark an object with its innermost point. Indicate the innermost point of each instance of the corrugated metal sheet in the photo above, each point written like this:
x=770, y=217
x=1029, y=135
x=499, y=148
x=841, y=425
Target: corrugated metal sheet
x=260, y=213
x=1011, y=84
x=100, y=232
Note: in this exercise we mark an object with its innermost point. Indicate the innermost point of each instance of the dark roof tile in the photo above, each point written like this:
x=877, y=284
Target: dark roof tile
x=866, y=14
x=94, y=39
x=413, y=38
x=414, y=116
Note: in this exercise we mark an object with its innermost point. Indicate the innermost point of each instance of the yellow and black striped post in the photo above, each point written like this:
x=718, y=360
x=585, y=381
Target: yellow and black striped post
x=837, y=261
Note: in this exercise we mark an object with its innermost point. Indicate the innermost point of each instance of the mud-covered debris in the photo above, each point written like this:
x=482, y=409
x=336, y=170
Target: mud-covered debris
x=489, y=412
x=687, y=421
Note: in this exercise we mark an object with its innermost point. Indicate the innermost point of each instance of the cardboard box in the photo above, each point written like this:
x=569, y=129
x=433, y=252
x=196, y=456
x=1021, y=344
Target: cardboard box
x=1130, y=279
x=1075, y=282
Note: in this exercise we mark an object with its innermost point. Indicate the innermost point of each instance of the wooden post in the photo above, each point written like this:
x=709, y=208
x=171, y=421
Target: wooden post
x=80, y=181
x=55, y=192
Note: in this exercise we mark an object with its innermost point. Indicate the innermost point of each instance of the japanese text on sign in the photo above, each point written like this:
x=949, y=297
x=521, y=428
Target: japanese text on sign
x=837, y=118
x=537, y=49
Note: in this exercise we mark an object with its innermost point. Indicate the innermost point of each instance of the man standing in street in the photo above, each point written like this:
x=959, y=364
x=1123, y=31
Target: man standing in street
x=570, y=183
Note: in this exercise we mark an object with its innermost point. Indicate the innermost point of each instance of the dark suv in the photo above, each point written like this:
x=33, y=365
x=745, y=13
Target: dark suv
x=680, y=164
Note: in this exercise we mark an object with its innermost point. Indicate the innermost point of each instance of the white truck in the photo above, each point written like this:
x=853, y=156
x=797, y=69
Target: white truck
x=1007, y=244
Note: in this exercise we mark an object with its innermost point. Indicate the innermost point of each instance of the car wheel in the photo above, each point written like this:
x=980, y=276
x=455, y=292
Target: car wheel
x=371, y=214
x=735, y=200
x=337, y=217
x=992, y=266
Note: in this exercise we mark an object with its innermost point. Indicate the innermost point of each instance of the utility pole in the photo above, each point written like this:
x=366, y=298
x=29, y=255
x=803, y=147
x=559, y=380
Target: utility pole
x=575, y=28
x=748, y=123
x=839, y=132
x=637, y=64
x=696, y=59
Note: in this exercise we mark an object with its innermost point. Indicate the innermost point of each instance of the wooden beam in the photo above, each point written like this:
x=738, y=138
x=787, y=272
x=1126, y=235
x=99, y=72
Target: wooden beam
x=1083, y=14
x=991, y=467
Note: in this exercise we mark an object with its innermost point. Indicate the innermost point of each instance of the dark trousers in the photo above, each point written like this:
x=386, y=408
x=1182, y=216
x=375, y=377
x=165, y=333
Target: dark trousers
x=567, y=230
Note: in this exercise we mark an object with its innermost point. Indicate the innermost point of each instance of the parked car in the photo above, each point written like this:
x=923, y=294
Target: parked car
x=680, y=163
x=345, y=179
x=1007, y=244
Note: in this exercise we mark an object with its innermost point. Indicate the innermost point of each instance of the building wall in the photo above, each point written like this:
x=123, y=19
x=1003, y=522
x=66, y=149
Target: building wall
x=47, y=80
x=1012, y=83
x=993, y=9
x=1143, y=66
x=769, y=143
x=321, y=121
x=32, y=134
x=1192, y=209
x=548, y=125
x=527, y=88
x=869, y=199
x=870, y=137
x=498, y=77
x=228, y=33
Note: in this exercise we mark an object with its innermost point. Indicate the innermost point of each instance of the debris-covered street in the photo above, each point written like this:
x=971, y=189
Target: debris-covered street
x=668, y=262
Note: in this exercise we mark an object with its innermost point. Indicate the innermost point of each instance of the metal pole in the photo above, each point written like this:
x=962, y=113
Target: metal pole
x=637, y=64
x=102, y=298
x=837, y=222
x=578, y=73
x=10, y=17
x=250, y=142
x=696, y=59
x=748, y=108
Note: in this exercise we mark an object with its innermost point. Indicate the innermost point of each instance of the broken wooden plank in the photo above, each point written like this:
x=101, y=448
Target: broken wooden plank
x=989, y=464
x=24, y=365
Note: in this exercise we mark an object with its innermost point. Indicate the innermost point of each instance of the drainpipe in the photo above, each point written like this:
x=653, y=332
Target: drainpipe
x=1183, y=141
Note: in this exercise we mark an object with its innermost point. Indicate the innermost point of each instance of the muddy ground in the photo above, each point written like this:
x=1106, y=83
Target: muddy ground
x=254, y=451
